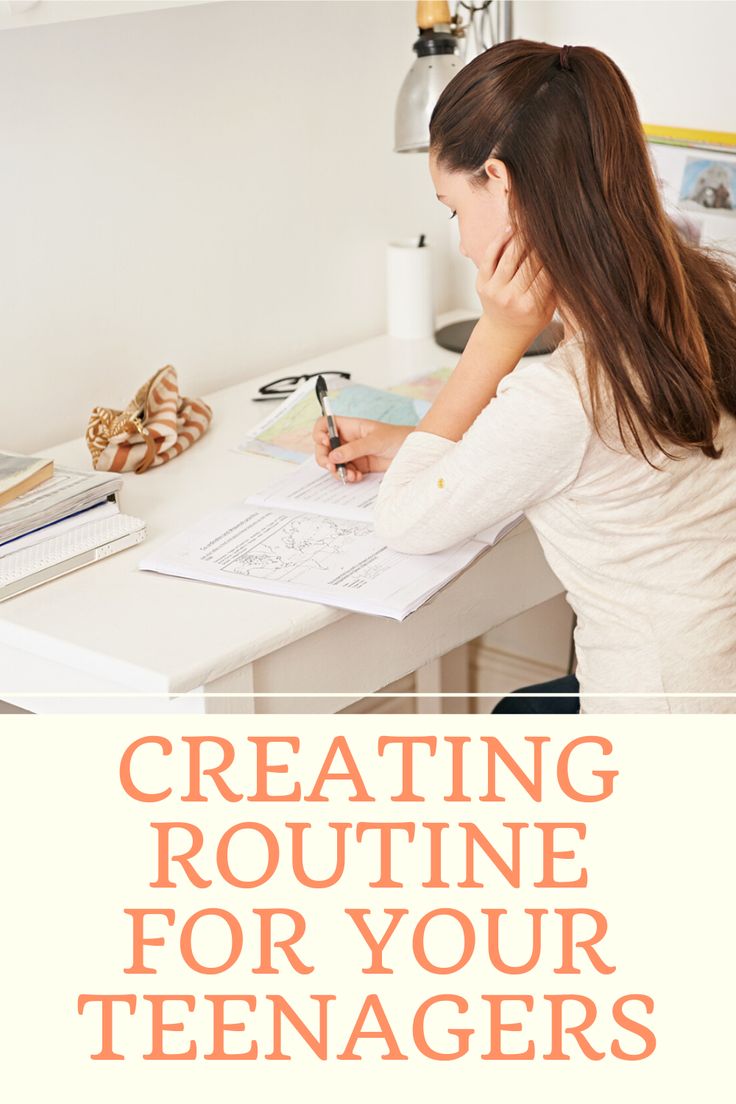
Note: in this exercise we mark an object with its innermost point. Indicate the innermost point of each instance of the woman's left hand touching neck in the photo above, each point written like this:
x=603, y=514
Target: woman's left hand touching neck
x=518, y=302
x=515, y=292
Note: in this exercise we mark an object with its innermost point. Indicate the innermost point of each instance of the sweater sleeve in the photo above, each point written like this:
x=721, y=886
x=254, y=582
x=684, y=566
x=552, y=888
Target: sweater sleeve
x=524, y=447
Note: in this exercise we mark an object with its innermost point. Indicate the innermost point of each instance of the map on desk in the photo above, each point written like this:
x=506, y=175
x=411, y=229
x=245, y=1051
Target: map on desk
x=287, y=432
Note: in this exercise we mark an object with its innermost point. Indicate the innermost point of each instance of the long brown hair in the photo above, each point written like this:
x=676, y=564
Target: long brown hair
x=657, y=314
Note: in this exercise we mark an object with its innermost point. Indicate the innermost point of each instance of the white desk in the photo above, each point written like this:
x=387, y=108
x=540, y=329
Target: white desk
x=110, y=638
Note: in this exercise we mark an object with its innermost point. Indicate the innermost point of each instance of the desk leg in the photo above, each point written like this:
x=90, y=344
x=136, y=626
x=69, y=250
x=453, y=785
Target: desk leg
x=232, y=686
x=455, y=676
x=450, y=673
x=428, y=680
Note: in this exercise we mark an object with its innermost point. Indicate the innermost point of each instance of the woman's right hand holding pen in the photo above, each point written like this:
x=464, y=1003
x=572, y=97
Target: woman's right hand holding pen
x=366, y=446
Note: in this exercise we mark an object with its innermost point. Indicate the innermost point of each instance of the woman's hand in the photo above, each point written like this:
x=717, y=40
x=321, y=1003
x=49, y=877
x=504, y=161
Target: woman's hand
x=515, y=292
x=518, y=302
x=366, y=446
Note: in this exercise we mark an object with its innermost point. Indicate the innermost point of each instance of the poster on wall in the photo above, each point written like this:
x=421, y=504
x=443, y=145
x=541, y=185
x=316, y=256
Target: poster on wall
x=696, y=170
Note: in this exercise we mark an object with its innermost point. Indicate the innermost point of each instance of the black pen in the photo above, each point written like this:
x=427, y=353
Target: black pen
x=321, y=388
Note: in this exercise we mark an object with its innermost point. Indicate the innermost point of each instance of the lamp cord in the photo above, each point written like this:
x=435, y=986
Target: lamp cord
x=480, y=22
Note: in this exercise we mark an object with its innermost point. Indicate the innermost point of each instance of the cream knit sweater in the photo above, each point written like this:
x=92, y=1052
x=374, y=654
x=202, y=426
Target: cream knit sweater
x=647, y=554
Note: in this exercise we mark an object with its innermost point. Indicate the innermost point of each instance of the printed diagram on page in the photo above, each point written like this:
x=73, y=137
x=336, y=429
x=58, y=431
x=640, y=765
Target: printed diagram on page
x=284, y=548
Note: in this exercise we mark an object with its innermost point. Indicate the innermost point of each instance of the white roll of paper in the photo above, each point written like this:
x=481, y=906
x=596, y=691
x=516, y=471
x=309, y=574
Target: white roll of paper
x=409, y=302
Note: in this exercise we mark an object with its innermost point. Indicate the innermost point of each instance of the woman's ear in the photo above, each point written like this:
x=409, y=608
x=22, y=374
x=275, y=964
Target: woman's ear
x=497, y=172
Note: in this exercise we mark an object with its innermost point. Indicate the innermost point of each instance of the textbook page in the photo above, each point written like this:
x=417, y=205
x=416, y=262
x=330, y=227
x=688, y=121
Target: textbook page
x=336, y=562
x=312, y=489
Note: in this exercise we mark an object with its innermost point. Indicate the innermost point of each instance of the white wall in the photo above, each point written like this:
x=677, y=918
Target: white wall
x=678, y=55
x=209, y=185
x=32, y=13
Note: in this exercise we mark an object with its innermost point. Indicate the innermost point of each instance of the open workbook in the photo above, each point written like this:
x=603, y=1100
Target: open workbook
x=310, y=537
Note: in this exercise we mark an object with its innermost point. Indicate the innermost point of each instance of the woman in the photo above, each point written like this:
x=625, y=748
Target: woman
x=621, y=446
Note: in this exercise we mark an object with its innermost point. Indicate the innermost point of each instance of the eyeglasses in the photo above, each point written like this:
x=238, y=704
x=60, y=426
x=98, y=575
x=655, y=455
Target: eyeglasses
x=281, y=388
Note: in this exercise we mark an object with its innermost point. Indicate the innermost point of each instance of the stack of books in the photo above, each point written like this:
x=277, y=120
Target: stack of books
x=19, y=474
x=54, y=521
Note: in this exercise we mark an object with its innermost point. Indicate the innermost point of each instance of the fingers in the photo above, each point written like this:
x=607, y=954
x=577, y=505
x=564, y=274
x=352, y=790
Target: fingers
x=359, y=441
x=531, y=278
x=509, y=261
x=492, y=255
x=319, y=428
x=321, y=449
x=353, y=473
x=541, y=286
x=346, y=426
x=514, y=288
x=354, y=450
x=366, y=446
x=528, y=271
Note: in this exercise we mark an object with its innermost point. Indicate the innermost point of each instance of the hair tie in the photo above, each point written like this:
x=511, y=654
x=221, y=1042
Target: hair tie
x=565, y=57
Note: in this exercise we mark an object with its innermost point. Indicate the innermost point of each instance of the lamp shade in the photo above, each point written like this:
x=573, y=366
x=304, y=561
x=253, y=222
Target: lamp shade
x=436, y=64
